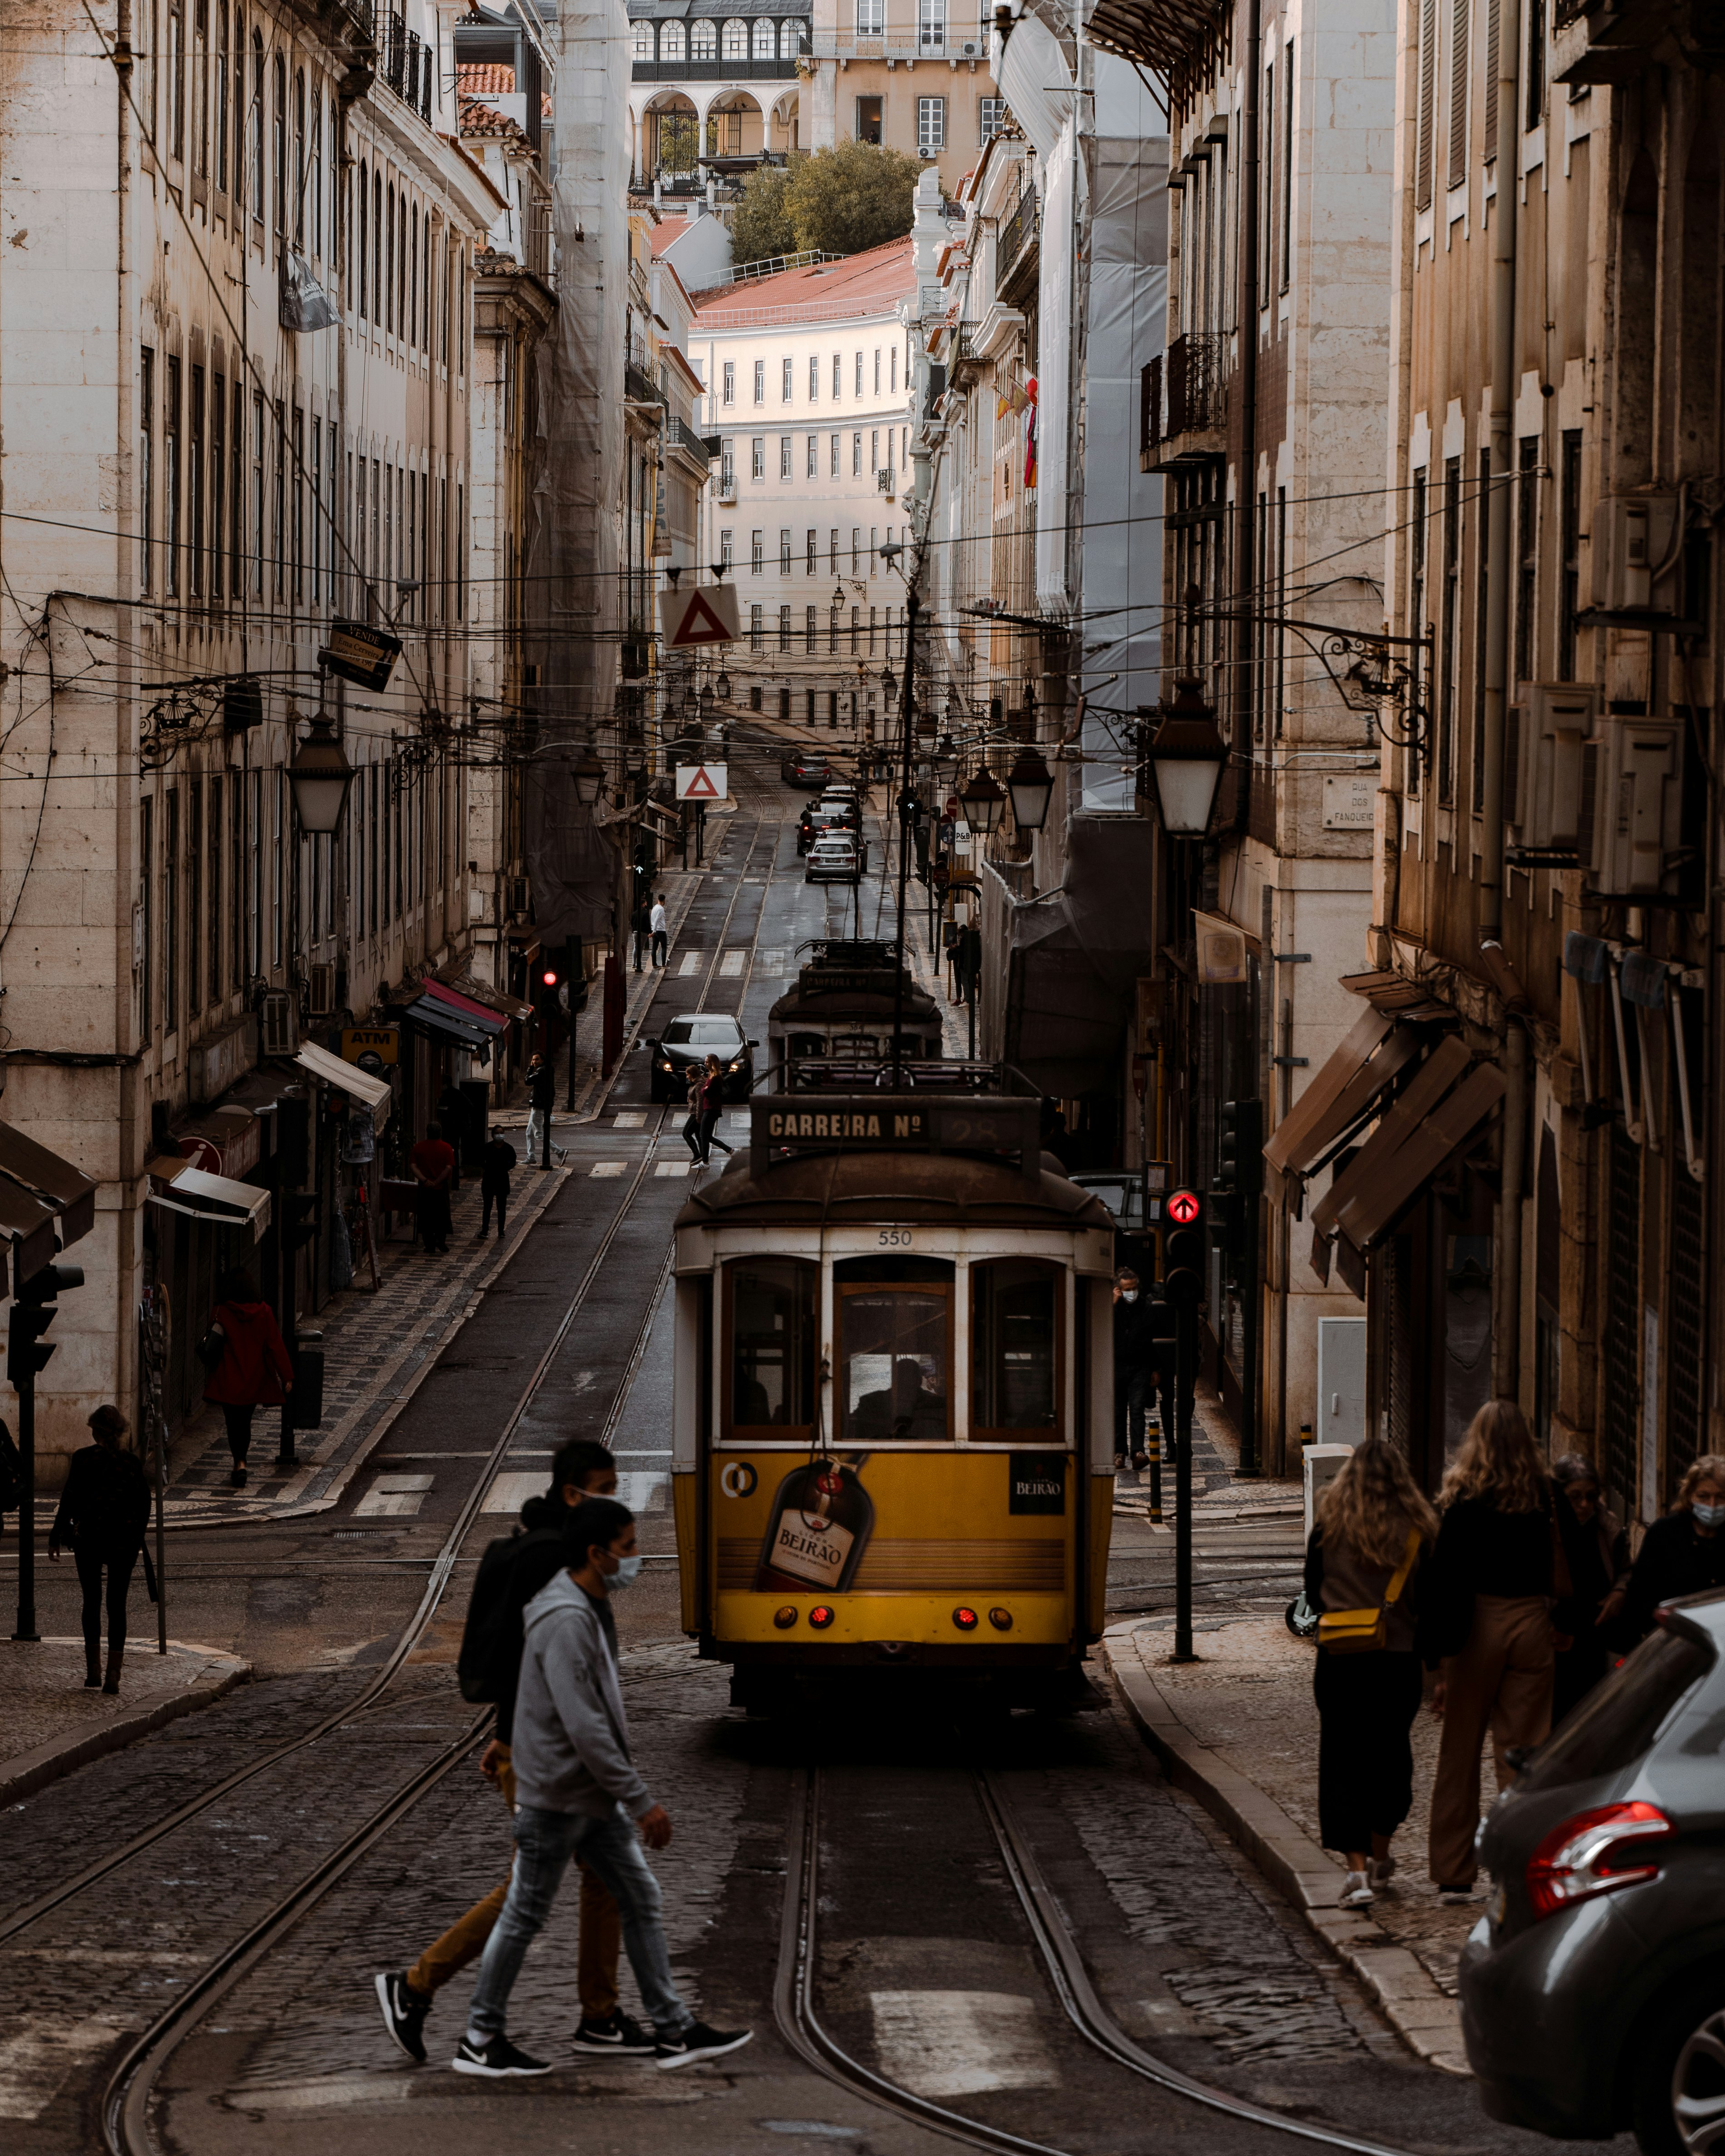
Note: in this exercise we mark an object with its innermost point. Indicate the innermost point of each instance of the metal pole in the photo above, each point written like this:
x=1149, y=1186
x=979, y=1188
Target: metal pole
x=1186, y=1326
x=27, y=1511
x=1251, y=1348
x=161, y=1532
x=574, y=969
x=904, y=848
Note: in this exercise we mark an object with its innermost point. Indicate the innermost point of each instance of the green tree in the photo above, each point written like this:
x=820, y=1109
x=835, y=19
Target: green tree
x=760, y=224
x=857, y=196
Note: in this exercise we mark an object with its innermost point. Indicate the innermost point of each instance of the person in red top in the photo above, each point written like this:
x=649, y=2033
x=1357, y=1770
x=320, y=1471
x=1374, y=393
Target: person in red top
x=255, y=1370
x=433, y=1165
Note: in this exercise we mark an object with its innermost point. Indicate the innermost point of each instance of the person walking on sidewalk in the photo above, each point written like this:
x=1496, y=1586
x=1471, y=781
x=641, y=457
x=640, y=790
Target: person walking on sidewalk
x=249, y=1365
x=1598, y=1551
x=433, y=1162
x=658, y=922
x=1682, y=1554
x=541, y=1099
x=1493, y=1576
x=1135, y=1370
x=523, y=1563
x=497, y=1163
x=578, y=1794
x=1372, y=1524
x=103, y=1511
x=712, y=1106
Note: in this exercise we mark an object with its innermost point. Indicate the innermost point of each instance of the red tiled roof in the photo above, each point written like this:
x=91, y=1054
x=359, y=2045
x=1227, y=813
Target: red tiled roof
x=484, y=78
x=478, y=119
x=672, y=229
x=862, y=283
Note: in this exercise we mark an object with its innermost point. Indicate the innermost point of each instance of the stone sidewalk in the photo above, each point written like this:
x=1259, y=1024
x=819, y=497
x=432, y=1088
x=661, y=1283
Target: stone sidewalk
x=53, y=1725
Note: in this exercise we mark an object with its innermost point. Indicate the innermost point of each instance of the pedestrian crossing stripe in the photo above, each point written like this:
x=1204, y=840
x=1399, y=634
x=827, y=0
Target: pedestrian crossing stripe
x=673, y=1168
x=732, y=964
x=609, y=1167
x=693, y=961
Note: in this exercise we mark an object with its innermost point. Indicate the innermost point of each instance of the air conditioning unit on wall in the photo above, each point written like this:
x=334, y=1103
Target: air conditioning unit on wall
x=1544, y=751
x=1630, y=824
x=1637, y=554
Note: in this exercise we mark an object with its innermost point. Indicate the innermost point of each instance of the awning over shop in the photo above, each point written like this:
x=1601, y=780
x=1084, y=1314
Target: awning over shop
x=481, y=992
x=1327, y=1106
x=343, y=1077
x=440, y=1022
x=215, y=1198
x=464, y=1010
x=67, y=1190
x=1395, y=994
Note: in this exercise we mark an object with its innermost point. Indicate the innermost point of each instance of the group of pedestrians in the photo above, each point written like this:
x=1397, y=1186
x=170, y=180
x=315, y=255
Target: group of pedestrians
x=541, y=1641
x=706, y=1104
x=1514, y=1595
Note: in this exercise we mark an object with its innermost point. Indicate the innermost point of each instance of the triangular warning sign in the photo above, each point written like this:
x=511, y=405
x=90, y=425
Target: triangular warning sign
x=701, y=788
x=700, y=624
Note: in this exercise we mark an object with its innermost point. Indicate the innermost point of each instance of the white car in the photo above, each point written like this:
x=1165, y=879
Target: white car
x=835, y=858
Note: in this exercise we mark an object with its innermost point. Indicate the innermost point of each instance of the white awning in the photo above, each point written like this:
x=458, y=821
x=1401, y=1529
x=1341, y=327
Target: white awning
x=216, y=1198
x=348, y=1078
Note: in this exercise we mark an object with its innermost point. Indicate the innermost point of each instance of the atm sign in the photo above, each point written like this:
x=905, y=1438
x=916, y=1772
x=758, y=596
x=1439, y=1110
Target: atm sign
x=1184, y=1207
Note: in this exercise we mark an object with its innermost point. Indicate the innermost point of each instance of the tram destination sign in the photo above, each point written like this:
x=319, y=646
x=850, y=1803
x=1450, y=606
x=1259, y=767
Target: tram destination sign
x=785, y=1126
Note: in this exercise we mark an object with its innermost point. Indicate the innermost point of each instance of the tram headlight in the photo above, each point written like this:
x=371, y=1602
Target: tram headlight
x=785, y=1618
x=1001, y=1619
x=964, y=1618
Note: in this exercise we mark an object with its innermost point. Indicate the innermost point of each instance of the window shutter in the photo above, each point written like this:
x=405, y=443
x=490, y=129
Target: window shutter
x=1460, y=24
x=1428, y=88
x=1493, y=32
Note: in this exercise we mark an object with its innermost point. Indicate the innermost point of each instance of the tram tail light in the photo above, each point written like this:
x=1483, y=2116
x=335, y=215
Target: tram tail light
x=785, y=1618
x=1001, y=1619
x=821, y=1616
x=964, y=1618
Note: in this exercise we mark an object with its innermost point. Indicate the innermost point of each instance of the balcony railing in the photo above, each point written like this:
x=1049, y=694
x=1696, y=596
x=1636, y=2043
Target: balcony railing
x=404, y=61
x=638, y=387
x=1185, y=390
x=681, y=435
x=773, y=70
x=1017, y=235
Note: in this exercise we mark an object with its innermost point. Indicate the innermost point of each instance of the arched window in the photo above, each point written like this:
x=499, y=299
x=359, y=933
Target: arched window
x=278, y=146
x=737, y=40
x=643, y=35
x=401, y=263
x=299, y=158
x=318, y=247
x=377, y=249
x=224, y=61
x=255, y=121
x=200, y=83
x=411, y=322
x=363, y=223
x=766, y=39
x=176, y=77
x=703, y=41
x=389, y=266
x=671, y=43
x=790, y=37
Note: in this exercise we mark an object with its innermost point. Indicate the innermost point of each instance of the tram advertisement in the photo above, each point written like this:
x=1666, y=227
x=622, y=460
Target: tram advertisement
x=818, y=1528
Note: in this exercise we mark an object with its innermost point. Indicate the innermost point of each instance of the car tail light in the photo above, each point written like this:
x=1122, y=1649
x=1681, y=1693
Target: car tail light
x=1595, y=1852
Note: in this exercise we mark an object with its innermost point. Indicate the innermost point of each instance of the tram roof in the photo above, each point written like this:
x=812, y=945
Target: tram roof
x=822, y=999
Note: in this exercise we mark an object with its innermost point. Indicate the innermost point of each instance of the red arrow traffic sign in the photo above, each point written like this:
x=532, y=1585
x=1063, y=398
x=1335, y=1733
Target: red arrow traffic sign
x=1183, y=1207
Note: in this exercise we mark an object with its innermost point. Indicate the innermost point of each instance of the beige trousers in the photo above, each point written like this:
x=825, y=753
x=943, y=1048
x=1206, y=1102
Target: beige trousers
x=1502, y=1680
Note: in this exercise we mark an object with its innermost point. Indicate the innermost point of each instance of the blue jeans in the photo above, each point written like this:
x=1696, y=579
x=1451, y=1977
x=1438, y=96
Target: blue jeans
x=609, y=1848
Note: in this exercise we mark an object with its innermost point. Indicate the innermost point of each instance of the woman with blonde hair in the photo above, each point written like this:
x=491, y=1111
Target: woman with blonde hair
x=1683, y=1554
x=1492, y=1583
x=1372, y=1525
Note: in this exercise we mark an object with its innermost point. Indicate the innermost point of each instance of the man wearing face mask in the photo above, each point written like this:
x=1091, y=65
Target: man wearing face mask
x=1135, y=1365
x=578, y=1794
x=1682, y=1554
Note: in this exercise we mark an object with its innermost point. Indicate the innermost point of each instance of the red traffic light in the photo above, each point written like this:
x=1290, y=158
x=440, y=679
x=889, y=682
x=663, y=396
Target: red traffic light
x=549, y=978
x=1182, y=1207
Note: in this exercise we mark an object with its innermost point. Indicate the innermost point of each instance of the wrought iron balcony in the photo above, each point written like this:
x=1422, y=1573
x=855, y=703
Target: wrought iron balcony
x=404, y=61
x=1018, y=236
x=680, y=435
x=773, y=70
x=1184, y=391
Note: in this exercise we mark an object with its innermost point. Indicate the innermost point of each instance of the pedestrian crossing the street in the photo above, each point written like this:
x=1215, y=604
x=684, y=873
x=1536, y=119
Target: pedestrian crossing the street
x=393, y=1497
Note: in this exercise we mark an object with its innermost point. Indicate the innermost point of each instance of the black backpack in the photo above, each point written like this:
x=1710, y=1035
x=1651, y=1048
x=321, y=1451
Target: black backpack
x=12, y=1473
x=504, y=1583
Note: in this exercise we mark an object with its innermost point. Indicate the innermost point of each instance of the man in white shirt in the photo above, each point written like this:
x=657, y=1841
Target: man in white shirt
x=660, y=923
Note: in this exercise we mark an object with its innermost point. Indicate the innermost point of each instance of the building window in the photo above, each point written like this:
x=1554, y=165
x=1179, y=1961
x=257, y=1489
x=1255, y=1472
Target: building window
x=314, y=475
x=725, y=539
x=785, y=391
x=1288, y=119
x=809, y=556
x=838, y=375
x=729, y=392
x=298, y=502
x=784, y=457
x=872, y=613
x=218, y=483
x=892, y=372
x=874, y=554
x=171, y=476
x=194, y=486
x=877, y=370
x=1569, y=550
x=833, y=455
x=766, y=39
x=832, y=630
x=1416, y=594
x=1527, y=553
x=256, y=124
x=784, y=628
x=737, y=41
x=784, y=551
x=833, y=551
x=814, y=379
x=1449, y=629
x=728, y=466
x=790, y=38
x=932, y=25
x=278, y=146
x=643, y=35
x=703, y=41
x=856, y=550
x=856, y=454
x=754, y=628
x=760, y=381
x=931, y=123
x=871, y=18
x=671, y=43
x=757, y=457
x=278, y=502
x=991, y=117
x=224, y=61
x=812, y=456
x=170, y=912
x=808, y=639
x=146, y=470
x=875, y=450
x=757, y=552
x=856, y=628
x=859, y=374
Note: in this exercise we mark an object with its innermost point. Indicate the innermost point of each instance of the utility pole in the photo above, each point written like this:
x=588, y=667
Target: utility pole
x=34, y=1307
x=912, y=610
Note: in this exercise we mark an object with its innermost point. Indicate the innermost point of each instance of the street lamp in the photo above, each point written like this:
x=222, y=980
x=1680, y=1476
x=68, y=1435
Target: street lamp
x=724, y=688
x=983, y=802
x=889, y=687
x=1186, y=759
x=588, y=774
x=1031, y=786
x=320, y=775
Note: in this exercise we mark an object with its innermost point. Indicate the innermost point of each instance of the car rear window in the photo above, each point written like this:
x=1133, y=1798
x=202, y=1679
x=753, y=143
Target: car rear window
x=1616, y=1723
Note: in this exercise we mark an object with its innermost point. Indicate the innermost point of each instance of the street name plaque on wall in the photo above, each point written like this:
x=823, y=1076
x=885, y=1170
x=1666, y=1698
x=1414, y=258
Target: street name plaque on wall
x=1351, y=800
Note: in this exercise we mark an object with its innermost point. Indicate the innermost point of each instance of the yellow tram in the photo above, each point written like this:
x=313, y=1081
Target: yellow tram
x=893, y=1443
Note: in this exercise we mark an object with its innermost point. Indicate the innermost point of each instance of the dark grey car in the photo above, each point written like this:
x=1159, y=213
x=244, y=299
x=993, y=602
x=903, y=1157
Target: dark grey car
x=1593, y=1991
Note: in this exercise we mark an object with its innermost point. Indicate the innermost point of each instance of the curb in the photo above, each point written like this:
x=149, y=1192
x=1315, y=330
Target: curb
x=31, y=1771
x=1425, y=2018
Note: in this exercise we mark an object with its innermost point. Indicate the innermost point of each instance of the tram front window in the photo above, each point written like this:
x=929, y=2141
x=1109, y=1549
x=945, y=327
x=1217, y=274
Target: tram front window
x=893, y=1368
x=1015, y=1351
x=774, y=1317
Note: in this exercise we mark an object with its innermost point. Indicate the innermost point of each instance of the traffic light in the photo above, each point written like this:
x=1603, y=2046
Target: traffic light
x=34, y=1310
x=1185, y=1240
x=1239, y=1150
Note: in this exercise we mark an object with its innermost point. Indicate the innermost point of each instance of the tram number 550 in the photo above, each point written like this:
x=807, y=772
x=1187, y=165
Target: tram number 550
x=895, y=1239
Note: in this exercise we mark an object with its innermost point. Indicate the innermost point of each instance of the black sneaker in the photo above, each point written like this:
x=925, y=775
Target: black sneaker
x=620, y=2033
x=494, y=2060
x=697, y=2043
x=404, y=2013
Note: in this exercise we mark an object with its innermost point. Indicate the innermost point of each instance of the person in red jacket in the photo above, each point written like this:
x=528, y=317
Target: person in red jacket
x=255, y=1370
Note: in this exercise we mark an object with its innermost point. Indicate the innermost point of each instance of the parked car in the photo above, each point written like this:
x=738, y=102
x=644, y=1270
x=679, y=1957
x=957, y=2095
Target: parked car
x=692, y=1039
x=804, y=767
x=837, y=857
x=1593, y=1989
x=817, y=819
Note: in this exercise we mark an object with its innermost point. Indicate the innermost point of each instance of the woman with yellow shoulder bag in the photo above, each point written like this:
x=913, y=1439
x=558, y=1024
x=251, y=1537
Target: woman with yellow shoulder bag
x=1362, y=1570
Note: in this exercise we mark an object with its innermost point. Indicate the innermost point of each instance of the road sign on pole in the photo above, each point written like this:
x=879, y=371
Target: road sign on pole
x=702, y=781
x=706, y=615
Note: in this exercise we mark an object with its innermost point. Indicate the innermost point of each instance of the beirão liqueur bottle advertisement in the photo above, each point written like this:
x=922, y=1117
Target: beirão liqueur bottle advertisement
x=819, y=1527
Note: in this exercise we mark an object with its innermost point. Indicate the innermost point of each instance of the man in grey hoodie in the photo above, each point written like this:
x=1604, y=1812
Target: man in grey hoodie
x=577, y=1794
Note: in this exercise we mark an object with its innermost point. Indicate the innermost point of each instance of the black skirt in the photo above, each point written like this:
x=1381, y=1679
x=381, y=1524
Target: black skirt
x=1366, y=1705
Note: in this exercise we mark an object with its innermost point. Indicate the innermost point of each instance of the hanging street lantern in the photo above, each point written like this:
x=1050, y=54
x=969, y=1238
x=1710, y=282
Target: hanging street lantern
x=1031, y=786
x=889, y=687
x=320, y=775
x=1187, y=757
x=983, y=802
x=588, y=774
x=724, y=688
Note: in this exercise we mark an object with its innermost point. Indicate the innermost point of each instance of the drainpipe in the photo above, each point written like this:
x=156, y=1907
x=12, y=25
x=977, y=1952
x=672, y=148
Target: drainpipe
x=1506, y=1273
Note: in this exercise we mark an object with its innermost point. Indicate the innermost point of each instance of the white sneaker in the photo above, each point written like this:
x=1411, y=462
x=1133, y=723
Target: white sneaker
x=1356, y=1892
